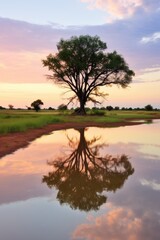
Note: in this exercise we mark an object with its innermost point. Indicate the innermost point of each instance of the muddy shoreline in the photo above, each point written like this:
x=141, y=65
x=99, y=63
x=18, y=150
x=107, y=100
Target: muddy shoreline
x=13, y=141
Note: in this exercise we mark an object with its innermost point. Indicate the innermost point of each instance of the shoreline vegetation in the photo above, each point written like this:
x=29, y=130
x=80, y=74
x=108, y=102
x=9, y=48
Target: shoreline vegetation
x=19, y=128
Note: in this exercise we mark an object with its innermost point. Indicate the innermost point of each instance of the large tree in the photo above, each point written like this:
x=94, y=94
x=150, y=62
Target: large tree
x=83, y=65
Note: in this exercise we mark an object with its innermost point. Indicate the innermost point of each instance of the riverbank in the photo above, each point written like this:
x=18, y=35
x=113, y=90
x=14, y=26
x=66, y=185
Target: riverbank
x=19, y=128
x=12, y=141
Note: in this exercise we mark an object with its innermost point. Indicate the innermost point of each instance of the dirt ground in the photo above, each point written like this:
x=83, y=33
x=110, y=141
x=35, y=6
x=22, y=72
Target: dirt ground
x=13, y=141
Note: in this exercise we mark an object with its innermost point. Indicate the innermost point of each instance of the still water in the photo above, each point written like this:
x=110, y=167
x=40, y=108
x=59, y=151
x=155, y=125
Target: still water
x=88, y=184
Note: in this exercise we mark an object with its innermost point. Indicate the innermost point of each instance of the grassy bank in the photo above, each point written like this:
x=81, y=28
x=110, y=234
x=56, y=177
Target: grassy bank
x=19, y=121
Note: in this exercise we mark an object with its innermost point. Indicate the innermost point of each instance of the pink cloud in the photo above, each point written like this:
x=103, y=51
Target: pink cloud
x=22, y=47
x=118, y=224
x=121, y=9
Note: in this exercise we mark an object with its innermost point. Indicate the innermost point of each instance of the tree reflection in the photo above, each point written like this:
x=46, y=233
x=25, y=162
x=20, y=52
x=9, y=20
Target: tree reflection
x=83, y=175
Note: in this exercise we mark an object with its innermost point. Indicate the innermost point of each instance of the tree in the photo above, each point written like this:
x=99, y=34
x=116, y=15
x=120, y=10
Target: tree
x=51, y=108
x=2, y=108
x=109, y=108
x=36, y=105
x=83, y=66
x=148, y=107
x=10, y=106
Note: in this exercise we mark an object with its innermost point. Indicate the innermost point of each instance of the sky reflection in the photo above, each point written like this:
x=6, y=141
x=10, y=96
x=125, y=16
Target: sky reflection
x=32, y=190
x=120, y=223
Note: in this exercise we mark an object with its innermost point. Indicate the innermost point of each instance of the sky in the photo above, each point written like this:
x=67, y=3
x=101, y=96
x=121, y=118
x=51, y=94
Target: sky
x=31, y=29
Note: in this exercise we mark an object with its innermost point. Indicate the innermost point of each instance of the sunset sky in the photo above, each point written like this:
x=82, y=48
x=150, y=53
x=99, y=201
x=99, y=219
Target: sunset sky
x=30, y=30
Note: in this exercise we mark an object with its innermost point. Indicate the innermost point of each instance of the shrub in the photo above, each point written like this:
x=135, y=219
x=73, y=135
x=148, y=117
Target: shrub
x=62, y=107
x=148, y=107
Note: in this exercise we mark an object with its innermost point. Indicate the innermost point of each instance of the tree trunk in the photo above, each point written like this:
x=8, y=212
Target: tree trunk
x=81, y=110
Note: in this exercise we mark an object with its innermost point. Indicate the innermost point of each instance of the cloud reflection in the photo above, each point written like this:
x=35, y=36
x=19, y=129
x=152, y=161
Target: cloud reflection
x=152, y=184
x=120, y=223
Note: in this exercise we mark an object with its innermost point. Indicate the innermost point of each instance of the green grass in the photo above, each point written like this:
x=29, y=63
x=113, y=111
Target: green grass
x=21, y=120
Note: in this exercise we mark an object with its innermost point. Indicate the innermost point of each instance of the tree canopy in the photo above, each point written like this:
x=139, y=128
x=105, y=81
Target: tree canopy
x=83, y=65
x=36, y=105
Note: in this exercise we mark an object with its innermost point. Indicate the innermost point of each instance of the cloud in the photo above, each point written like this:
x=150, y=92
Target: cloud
x=23, y=45
x=117, y=224
x=121, y=9
x=151, y=74
x=152, y=184
x=120, y=223
x=22, y=36
x=152, y=38
x=152, y=69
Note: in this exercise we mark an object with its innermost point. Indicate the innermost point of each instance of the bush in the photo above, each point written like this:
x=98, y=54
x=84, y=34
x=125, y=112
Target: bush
x=148, y=107
x=62, y=107
x=109, y=108
x=2, y=108
x=97, y=112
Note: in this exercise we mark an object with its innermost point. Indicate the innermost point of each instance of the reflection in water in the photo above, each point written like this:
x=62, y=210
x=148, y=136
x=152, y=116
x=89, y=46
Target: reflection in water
x=83, y=174
x=132, y=213
x=120, y=223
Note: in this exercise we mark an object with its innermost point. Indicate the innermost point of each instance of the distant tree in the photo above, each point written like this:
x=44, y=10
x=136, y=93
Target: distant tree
x=83, y=66
x=37, y=105
x=116, y=108
x=148, y=107
x=28, y=108
x=10, y=106
x=50, y=108
x=109, y=108
x=2, y=108
x=62, y=107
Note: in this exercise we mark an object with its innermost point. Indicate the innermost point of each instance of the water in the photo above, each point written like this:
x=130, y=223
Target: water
x=88, y=184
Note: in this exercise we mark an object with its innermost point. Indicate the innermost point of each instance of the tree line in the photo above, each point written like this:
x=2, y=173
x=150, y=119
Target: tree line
x=36, y=105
